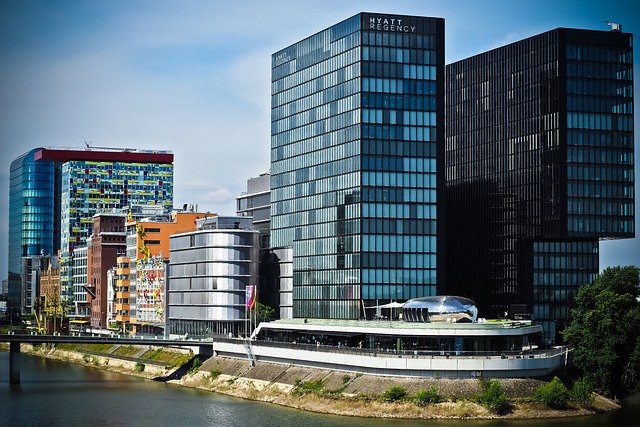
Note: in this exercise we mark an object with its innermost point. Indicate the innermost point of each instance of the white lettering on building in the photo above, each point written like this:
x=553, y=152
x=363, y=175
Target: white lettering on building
x=390, y=24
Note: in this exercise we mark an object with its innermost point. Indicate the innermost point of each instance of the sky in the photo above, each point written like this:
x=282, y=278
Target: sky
x=193, y=77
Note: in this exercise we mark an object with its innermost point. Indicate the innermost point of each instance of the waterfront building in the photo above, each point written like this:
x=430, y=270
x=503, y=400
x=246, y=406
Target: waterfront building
x=107, y=242
x=357, y=152
x=442, y=340
x=80, y=280
x=54, y=193
x=211, y=271
x=256, y=203
x=539, y=168
x=272, y=284
x=142, y=275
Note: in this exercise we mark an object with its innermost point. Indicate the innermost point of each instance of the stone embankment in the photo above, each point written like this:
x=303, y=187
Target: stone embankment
x=359, y=394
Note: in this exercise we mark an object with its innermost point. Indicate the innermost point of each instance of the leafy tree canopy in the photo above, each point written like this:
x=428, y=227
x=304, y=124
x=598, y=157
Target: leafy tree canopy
x=605, y=330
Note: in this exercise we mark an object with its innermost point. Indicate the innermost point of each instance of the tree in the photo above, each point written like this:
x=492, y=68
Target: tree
x=605, y=330
x=264, y=312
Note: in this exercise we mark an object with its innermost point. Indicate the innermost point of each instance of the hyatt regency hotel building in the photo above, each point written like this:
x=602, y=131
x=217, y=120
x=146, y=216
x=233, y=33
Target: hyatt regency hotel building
x=357, y=135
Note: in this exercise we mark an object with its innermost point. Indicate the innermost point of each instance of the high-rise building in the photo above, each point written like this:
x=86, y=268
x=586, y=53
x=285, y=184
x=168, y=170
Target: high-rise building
x=54, y=194
x=357, y=150
x=107, y=243
x=539, y=168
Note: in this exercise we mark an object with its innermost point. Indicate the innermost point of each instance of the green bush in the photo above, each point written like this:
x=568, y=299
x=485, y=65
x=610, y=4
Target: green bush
x=493, y=398
x=582, y=392
x=425, y=397
x=553, y=394
x=394, y=394
x=195, y=366
x=305, y=387
x=139, y=366
x=214, y=373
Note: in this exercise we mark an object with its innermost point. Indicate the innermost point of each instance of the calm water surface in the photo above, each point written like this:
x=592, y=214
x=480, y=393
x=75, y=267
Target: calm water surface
x=54, y=393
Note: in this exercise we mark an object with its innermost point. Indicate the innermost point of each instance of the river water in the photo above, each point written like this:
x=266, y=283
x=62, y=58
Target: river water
x=53, y=393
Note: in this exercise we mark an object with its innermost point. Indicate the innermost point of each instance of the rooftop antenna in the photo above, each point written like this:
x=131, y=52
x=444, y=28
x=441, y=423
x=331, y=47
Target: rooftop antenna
x=616, y=28
x=88, y=144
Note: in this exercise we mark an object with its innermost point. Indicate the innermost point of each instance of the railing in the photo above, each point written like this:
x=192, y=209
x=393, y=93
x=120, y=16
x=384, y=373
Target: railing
x=390, y=352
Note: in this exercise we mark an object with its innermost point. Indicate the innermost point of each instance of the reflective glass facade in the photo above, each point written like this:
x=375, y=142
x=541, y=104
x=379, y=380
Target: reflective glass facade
x=539, y=167
x=357, y=125
x=31, y=216
x=54, y=194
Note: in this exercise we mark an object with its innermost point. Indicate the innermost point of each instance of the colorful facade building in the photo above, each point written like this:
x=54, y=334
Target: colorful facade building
x=55, y=192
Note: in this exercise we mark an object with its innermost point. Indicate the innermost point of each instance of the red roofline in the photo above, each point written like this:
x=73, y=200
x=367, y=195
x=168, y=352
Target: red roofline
x=103, y=156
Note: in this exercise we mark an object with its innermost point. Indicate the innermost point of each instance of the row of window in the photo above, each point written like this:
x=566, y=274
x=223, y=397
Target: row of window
x=400, y=102
x=287, y=190
x=599, y=207
x=388, y=116
x=313, y=108
x=576, y=261
x=598, y=226
x=399, y=55
x=398, y=260
x=303, y=66
x=399, y=243
x=328, y=95
x=599, y=54
x=398, y=86
x=403, y=179
x=399, y=148
x=398, y=293
x=600, y=156
x=406, y=133
x=599, y=70
x=307, y=135
x=330, y=290
x=594, y=121
x=400, y=276
x=605, y=190
x=599, y=87
x=327, y=309
x=345, y=141
x=338, y=167
x=419, y=227
x=320, y=77
x=396, y=195
x=600, y=104
x=599, y=139
x=380, y=38
x=544, y=311
x=564, y=247
x=401, y=164
x=404, y=211
x=599, y=173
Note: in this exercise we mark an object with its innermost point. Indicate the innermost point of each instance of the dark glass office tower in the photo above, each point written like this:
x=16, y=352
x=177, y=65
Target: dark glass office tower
x=357, y=131
x=539, y=167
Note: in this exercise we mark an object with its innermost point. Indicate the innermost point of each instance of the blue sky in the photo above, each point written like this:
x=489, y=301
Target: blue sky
x=193, y=77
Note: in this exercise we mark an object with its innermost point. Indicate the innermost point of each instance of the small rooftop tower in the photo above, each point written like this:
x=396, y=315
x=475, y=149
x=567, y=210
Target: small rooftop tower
x=616, y=28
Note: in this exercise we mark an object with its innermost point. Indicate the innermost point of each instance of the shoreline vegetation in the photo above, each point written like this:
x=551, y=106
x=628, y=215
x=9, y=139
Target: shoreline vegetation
x=327, y=391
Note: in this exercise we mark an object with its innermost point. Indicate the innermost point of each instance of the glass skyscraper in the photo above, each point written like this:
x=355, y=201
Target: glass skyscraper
x=539, y=168
x=357, y=137
x=55, y=193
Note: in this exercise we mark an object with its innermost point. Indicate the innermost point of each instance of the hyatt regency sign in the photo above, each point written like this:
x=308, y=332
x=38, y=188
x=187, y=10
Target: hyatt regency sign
x=390, y=24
